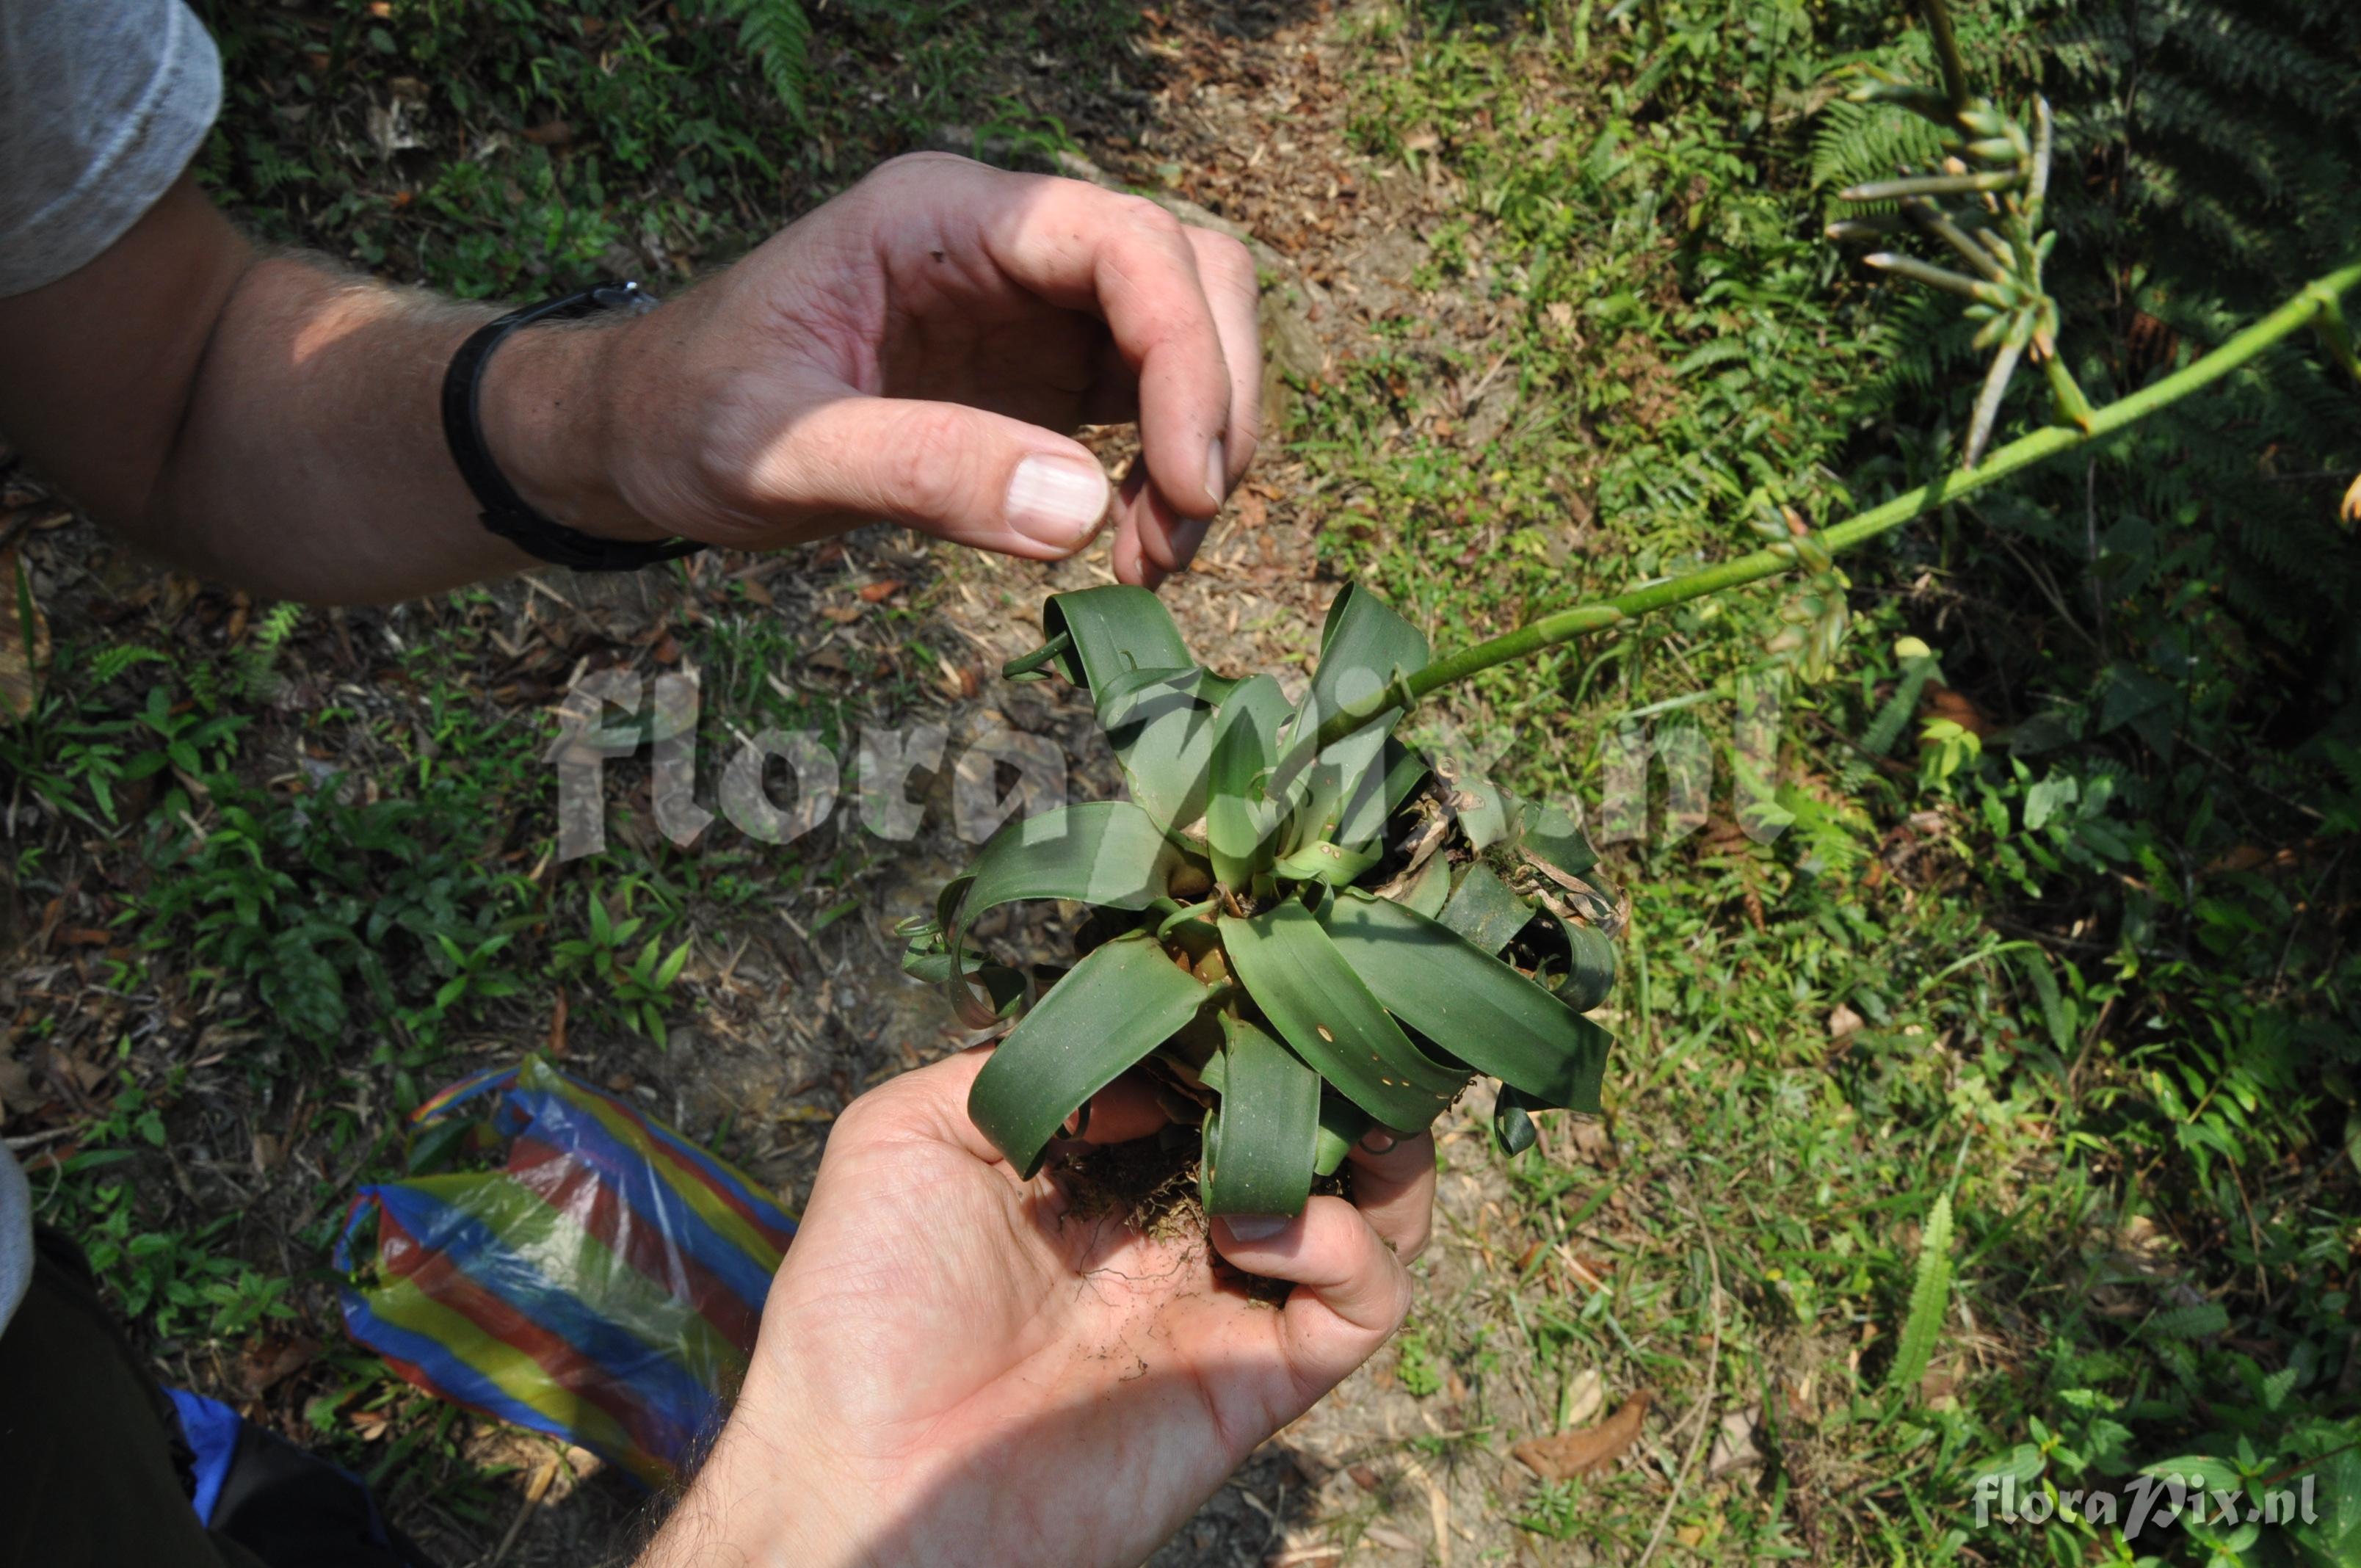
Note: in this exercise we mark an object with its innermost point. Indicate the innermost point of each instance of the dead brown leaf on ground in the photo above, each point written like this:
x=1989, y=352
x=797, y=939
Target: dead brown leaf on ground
x=271, y=1359
x=1585, y=1449
x=1942, y=702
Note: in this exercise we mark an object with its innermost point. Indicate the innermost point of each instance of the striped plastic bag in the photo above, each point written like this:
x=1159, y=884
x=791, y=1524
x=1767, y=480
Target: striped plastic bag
x=602, y=1285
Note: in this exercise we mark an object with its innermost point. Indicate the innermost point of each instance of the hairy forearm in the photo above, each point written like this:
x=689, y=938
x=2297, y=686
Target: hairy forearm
x=312, y=463
x=758, y=1500
x=275, y=422
x=309, y=464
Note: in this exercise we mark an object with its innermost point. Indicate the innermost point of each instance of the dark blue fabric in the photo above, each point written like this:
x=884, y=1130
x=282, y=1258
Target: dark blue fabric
x=212, y=1429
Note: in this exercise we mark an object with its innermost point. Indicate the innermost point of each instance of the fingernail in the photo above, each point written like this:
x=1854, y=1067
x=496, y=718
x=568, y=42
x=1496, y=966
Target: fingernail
x=1252, y=1228
x=1377, y=1140
x=1217, y=472
x=1056, y=500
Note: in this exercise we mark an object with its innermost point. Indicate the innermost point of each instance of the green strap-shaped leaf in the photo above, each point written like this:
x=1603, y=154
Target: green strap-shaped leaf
x=1548, y=833
x=1319, y=1006
x=1484, y=909
x=1482, y=807
x=1155, y=702
x=1430, y=889
x=929, y=962
x=1160, y=723
x=1240, y=823
x=1590, y=968
x=1107, y=632
x=1323, y=861
x=1363, y=646
x=1341, y=1124
x=1119, y=1003
x=1106, y=852
x=1405, y=770
x=1469, y=1002
x=1512, y=1121
x=1102, y=851
x=1261, y=1140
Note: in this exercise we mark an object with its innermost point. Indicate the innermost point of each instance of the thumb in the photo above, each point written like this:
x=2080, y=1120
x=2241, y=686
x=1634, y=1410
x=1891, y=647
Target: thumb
x=1351, y=1290
x=958, y=473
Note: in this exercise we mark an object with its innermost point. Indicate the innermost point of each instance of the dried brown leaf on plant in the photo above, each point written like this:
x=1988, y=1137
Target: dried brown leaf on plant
x=1585, y=1449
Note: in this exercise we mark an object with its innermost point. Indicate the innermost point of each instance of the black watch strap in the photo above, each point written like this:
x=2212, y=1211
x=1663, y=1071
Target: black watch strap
x=505, y=512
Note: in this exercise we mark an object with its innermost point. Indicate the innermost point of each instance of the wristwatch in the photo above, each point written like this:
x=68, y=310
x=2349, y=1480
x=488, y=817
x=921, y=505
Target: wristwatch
x=505, y=512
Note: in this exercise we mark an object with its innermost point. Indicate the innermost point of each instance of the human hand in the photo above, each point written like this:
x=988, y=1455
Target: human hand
x=914, y=350
x=953, y=1368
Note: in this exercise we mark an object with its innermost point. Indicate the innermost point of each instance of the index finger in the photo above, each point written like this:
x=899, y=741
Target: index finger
x=1129, y=262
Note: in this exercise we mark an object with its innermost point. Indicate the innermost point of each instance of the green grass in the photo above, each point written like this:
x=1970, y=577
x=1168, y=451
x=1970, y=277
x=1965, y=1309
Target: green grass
x=512, y=148
x=1646, y=199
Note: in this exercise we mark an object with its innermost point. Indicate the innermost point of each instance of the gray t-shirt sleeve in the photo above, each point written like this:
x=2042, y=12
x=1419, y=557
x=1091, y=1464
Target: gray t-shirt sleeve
x=103, y=104
x=16, y=1236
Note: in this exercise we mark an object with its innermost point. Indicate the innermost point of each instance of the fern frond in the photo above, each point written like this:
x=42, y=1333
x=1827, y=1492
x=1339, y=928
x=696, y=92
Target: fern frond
x=2196, y=1322
x=1856, y=143
x=2253, y=57
x=1931, y=1302
x=2186, y=109
x=778, y=35
x=252, y=675
x=109, y=663
x=276, y=625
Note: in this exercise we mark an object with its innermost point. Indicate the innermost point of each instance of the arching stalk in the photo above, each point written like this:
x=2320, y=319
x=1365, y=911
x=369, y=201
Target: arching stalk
x=2316, y=305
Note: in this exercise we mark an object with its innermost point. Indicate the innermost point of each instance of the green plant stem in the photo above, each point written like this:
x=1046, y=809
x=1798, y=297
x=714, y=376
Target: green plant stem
x=2337, y=337
x=2306, y=309
x=2072, y=406
x=1947, y=51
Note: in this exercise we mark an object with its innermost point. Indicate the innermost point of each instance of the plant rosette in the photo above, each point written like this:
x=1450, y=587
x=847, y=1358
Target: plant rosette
x=1297, y=941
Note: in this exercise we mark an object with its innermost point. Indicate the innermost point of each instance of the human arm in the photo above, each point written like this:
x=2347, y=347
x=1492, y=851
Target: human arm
x=954, y=1368
x=900, y=353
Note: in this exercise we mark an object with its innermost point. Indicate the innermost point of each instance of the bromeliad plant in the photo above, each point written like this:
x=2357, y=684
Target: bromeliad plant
x=1299, y=944
x=1305, y=930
